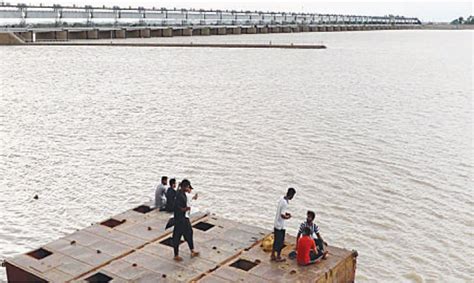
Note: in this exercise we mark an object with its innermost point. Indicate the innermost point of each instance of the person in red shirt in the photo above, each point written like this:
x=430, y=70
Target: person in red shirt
x=306, y=250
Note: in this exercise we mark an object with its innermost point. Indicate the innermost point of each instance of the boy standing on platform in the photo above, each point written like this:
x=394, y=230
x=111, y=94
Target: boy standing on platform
x=279, y=227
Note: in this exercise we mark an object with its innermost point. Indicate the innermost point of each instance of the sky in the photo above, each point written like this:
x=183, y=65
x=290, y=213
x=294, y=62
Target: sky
x=425, y=10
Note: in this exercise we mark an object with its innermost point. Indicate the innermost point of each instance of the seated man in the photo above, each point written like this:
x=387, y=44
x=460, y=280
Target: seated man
x=314, y=233
x=306, y=249
x=160, y=194
x=170, y=196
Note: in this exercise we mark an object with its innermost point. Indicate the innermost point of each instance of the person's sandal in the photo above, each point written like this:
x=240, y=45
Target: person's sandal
x=178, y=258
x=280, y=259
x=194, y=254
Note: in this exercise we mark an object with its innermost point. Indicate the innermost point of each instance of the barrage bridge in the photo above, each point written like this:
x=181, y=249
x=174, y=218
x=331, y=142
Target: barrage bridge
x=60, y=23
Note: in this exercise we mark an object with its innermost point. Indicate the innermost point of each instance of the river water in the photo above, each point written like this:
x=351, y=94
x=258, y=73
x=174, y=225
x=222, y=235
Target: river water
x=375, y=133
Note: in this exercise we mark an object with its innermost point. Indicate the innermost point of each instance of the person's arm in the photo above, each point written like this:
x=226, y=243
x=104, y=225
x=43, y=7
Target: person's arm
x=313, y=247
x=321, y=238
x=300, y=231
x=181, y=204
x=284, y=214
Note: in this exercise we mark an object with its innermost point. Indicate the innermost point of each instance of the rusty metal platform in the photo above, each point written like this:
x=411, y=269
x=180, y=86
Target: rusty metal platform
x=134, y=247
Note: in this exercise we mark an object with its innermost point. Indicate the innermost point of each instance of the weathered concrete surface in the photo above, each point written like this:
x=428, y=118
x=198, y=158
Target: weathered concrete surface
x=167, y=32
x=177, y=32
x=274, y=29
x=233, y=30
x=75, y=35
x=262, y=30
x=46, y=36
x=187, y=32
x=120, y=33
x=249, y=30
x=61, y=35
x=133, y=33
x=26, y=36
x=145, y=33
x=93, y=34
x=134, y=247
x=8, y=38
x=204, y=31
x=156, y=32
x=106, y=34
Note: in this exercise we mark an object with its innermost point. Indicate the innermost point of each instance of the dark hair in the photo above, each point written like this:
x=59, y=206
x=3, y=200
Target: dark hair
x=172, y=181
x=164, y=178
x=291, y=192
x=306, y=231
x=311, y=214
x=185, y=183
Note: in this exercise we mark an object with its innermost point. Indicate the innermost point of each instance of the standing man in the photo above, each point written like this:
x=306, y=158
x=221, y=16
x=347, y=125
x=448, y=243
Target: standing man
x=314, y=233
x=279, y=228
x=182, y=225
x=160, y=197
x=170, y=196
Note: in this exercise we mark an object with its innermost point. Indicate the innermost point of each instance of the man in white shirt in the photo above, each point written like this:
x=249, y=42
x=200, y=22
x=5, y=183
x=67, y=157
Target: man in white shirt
x=160, y=194
x=279, y=227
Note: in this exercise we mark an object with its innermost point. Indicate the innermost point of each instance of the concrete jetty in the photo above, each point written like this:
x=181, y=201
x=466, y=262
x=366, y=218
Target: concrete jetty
x=186, y=45
x=135, y=247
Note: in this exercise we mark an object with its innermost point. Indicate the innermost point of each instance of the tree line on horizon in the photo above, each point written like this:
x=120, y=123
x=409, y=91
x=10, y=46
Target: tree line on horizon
x=461, y=21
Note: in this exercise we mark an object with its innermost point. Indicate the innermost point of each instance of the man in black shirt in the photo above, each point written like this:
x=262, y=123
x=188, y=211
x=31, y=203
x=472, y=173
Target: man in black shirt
x=182, y=225
x=170, y=196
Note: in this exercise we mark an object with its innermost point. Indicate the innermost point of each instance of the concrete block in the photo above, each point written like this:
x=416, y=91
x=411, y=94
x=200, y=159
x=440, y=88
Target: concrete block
x=133, y=33
x=27, y=36
x=106, y=34
x=262, y=30
x=167, y=32
x=45, y=36
x=187, y=32
x=93, y=34
x=120, y=33
x=177, y=32
x=233, y=30
x=205, y=31
x=145, y=33
x=305, y=28
x=249, y=30
x=156, y=33
x=77, y=34
x=61, y=35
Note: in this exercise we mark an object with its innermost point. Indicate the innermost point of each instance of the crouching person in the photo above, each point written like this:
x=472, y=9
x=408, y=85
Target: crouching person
x=306, y=249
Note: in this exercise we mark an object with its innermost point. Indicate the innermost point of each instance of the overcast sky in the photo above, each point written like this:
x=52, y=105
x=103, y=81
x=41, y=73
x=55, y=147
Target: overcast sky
x=426, y=10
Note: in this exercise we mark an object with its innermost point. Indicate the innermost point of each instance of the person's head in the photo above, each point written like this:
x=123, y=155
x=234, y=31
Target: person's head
x=186, y=186
x=290, y=193
x=310, y=216
x=173, y=183
x=306, y=231
x=164, y=180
